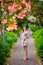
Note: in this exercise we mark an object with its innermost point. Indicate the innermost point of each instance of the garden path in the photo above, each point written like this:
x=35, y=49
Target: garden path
x=17, y=54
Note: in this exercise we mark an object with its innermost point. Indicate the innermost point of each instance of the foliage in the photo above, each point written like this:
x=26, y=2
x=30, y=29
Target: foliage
x=33, y=27
x=13, y=10
x=37, y=9
x=2, y=53
x=19, y=28
x=38, y=37
x=10, y=38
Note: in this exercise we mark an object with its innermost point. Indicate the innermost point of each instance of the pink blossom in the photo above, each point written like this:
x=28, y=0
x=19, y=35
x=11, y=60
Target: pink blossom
x=15, y=27
x=4, y=21
x=15, y=5
x=19, y=7
x=23, y=1
x=9, y=28
x=15, y=22
x=10, y=8
x=22, y=14
x=12, y=26
x=24, y=11
x=28, y=4
x=21, y=17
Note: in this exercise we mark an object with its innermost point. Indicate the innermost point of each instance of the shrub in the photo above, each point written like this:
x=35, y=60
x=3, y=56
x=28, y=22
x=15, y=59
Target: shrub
x=10, y=38
x=33, y=28
x=38, y=36
x=2, y=53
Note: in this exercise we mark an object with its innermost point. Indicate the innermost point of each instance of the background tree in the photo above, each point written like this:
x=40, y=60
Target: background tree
x=12, y=10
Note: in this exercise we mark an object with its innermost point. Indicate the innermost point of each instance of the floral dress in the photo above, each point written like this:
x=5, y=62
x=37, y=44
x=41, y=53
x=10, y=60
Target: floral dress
x=25, y=36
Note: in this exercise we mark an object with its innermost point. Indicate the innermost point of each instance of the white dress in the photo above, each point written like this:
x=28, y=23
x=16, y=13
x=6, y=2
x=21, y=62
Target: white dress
x=24, y=37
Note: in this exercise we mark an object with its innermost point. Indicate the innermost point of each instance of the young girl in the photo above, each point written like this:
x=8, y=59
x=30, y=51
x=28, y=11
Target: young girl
x=24, y=37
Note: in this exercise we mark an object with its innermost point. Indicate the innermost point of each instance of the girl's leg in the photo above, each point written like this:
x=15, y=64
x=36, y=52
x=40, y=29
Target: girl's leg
x=25, y=52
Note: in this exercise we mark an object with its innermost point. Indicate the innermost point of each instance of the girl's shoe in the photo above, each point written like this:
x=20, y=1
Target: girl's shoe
x=25, y=58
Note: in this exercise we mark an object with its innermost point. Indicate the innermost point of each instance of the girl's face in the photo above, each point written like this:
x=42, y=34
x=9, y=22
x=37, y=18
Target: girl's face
x=24, y=28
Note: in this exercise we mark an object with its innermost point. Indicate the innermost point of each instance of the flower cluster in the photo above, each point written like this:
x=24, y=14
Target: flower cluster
x=12, y=26
x=4, y=21
x=17, y=6
x=22, y=8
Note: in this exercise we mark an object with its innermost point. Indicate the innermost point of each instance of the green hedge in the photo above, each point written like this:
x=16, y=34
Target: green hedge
x=38, y=37
x=33, y=27
x=10, y=38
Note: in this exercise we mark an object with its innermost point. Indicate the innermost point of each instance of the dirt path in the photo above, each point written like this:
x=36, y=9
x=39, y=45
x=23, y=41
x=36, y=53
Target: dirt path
x=17, y=54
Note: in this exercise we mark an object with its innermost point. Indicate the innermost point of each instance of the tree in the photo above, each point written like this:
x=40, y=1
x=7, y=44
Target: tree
x=37, y=9
x=14, y=9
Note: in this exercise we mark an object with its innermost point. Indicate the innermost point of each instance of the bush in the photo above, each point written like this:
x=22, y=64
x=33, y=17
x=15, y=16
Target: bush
x=2, y=53
x=19, y=28
x=38, y=36
x=10, y=38
x=33, y=27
